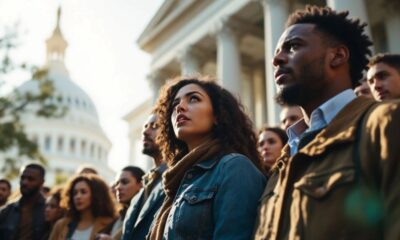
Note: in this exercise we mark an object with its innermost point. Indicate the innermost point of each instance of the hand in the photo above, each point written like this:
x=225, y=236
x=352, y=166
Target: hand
x=103, y=236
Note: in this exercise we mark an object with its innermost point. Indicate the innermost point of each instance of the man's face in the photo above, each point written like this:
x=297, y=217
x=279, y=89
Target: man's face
x=290, y=115
x=30, y=182
x=384, y=82
x=149, y=133
x=4, y=192
x=299, y=65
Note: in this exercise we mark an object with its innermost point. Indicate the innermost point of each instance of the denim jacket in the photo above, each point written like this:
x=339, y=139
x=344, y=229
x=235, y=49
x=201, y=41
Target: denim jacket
x=217, y=199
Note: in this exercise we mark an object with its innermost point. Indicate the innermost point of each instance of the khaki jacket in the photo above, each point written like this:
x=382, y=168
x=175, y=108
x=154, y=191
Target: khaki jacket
x=60, y=229
x=322, y=192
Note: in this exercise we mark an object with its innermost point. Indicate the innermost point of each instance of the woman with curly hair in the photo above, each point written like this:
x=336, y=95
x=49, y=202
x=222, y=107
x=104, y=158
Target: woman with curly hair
x=88, y=202
x=214, y=181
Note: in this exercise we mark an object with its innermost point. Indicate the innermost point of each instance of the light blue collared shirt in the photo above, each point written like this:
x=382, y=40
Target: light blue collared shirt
x=320, y=118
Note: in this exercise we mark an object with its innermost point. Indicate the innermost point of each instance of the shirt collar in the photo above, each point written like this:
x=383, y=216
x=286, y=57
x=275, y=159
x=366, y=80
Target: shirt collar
x=320, y=118
x=324, y=114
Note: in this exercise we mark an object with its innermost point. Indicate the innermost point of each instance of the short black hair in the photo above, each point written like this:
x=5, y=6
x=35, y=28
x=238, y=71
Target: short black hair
x=339, y=29
x=393, y=60
x=135, y=171
x=38, y=167
x=6, y=182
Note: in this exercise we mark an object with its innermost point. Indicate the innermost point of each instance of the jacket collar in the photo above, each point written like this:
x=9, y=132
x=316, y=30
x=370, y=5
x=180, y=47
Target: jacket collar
x=207, y=164
x=340, y=130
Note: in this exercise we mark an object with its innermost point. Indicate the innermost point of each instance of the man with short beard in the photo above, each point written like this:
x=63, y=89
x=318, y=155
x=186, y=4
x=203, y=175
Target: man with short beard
x=24, y=219
x=337, y=177
x=146, y=203
x=5, y=191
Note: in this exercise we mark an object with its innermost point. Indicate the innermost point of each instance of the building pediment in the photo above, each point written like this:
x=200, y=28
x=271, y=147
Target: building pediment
x=167, y=14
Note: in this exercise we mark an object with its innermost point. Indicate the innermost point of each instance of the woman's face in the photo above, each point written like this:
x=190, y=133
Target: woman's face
x=52, y=211
x=127, y=187
x=192, y=117
x=82, y=196
x=270, y=146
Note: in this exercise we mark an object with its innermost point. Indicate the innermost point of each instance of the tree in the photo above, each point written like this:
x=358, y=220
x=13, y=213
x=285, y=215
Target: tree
x=13, y=137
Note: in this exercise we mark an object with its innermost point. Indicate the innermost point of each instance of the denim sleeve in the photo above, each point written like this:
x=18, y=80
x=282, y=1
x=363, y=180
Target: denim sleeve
x=235, y=206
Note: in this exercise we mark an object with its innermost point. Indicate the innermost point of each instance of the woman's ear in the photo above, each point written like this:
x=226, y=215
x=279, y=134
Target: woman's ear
x=338, y=56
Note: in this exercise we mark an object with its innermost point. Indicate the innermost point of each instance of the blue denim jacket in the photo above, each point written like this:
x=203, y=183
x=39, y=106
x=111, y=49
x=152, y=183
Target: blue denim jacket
x=216, y=200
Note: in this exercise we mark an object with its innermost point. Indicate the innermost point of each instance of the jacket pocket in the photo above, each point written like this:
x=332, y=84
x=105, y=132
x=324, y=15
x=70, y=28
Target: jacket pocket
x=198, y=197
x=320, y=185
x=194, y=218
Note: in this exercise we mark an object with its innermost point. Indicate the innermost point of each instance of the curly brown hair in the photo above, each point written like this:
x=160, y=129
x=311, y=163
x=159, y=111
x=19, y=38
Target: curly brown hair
x=339, y=29
x=102, y=204
x=234, y=128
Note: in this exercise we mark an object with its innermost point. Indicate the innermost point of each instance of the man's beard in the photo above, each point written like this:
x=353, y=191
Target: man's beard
x=290, y=95
x=152, y=152
x=305, y=86
x=29, y=193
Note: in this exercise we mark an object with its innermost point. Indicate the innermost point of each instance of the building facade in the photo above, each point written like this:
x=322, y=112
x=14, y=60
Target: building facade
x=235, y=40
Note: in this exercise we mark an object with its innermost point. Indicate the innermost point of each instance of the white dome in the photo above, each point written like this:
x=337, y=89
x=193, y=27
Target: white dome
x=71, y=95
x=76, y=138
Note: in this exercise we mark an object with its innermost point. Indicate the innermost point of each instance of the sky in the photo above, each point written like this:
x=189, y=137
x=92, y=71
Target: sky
x=102, y=57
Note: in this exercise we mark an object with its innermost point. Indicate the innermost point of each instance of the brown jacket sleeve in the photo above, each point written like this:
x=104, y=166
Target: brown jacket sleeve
x=383, y=127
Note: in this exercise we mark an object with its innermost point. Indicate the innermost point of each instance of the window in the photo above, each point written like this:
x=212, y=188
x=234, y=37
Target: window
x=47, y=143
x=92, y=150
x=72, y=146
x=60, y=144
x=99, y=153
x=83, y=147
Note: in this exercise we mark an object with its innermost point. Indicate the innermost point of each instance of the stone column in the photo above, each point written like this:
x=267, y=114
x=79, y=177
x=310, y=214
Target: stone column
x=393, y=33
x=156, y=81
x=189, y=61
x=275, y=15
x=228, y=58
x=356, y=8
x=259, y=99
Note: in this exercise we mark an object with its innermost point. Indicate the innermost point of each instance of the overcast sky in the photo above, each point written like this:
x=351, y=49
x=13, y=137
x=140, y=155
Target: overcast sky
x=102, y=57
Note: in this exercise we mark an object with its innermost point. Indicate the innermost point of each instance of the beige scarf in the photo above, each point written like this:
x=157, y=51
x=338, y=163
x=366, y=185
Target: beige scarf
x=173, y=177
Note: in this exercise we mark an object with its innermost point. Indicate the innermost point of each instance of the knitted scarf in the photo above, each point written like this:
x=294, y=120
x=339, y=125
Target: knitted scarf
x=173, y=177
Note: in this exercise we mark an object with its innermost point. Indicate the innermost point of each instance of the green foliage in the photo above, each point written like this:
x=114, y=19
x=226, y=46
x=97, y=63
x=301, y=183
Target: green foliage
x=13, y=138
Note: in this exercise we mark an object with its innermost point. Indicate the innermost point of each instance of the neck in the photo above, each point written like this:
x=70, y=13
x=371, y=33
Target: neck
x=193, y=143
x=86, y=216
x=157, y=160
x=330, y=92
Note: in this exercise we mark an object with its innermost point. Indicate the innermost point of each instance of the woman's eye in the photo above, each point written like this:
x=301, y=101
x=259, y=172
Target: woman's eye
x=194, y=99
x=294, y=46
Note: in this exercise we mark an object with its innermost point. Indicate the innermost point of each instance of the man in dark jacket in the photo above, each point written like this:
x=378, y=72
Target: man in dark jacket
x=146, y=203
x=24, y=219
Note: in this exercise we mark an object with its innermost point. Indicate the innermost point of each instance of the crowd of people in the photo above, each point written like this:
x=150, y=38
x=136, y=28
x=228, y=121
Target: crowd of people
x=329, y=171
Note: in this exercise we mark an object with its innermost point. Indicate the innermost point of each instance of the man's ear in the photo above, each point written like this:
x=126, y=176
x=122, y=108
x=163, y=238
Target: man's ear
x=338, y=56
